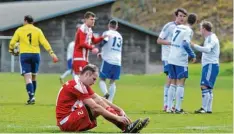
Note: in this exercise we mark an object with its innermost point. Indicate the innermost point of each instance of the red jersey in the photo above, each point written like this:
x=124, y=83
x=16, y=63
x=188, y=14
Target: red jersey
x=83, y=41
x=70, y=97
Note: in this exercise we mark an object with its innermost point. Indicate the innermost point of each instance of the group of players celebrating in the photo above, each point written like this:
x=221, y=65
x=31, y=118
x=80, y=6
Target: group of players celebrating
x=175, y=38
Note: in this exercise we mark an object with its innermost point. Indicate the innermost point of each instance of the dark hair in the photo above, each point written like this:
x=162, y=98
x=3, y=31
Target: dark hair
x=207, y=25
x=28, y=18
x=192, y=18
x=89, y=14
x=113, y=23
x=89, y=67
x=182, y=10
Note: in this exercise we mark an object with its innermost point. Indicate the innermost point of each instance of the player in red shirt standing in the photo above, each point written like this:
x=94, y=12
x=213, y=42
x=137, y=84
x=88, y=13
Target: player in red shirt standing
x=77, y=106
x=84, y=42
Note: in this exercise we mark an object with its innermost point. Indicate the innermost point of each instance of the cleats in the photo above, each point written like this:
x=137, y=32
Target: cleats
x=200, y=111
x=143, y=124
x=31, y=102
x=181, y=111
x=107, y=95
x=131, y=128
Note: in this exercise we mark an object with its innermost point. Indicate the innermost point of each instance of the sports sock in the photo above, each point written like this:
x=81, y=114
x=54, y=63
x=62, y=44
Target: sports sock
x=66, y=73
x=34, y=86
x=29, y=88
x=112, y=91
x=166, y=87
x=179, y=96
x=174, y=98
x=209, y=106
x=102, y=85
x=171, y=90
x=205, y=98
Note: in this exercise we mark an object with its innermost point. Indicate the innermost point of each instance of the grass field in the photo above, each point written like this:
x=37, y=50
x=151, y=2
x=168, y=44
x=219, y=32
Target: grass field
x=140, y=95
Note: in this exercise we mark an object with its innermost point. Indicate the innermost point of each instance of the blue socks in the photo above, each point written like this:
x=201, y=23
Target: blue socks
x=34, y=86
x=30, y=90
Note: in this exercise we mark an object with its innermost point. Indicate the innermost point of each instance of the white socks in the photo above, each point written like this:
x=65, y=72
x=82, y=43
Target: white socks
x=171, y=91
x=102, y=85
x=179, y=97
x=112, y=90
x=209, y=106
x=165, y=95
x=205, y=98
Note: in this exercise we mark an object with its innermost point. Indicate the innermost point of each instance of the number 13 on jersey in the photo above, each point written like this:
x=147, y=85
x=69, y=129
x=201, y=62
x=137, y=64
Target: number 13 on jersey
x=117, y=44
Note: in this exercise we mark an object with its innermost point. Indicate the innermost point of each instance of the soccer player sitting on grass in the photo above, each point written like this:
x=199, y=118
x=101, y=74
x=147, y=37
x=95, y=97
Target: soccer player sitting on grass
x=77, y=106
x=29, y=38
x=210, y=65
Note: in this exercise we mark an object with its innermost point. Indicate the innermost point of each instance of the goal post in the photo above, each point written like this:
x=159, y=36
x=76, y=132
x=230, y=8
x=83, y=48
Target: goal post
x=4, y=55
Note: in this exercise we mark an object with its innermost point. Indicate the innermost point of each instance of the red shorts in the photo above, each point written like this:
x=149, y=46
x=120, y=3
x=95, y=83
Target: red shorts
x=78, y=66
x=78, y=120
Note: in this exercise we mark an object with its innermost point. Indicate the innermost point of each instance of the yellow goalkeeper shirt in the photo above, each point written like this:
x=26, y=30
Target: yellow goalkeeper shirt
x=29, y=38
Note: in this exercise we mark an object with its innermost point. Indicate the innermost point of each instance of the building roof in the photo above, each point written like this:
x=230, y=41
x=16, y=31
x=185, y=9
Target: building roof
x=12, y=13
x=137, y=27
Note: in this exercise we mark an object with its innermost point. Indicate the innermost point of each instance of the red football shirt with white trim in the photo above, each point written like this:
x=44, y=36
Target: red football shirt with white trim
x=83, y=41
x=70, y=97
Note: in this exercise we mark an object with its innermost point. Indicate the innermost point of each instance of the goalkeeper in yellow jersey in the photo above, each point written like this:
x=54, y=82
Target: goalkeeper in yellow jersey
x=29, y=38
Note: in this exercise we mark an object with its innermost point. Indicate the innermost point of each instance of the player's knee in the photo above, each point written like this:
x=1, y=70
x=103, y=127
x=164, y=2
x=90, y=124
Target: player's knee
x=203, y=87
x=173, y=81
x=28, y=78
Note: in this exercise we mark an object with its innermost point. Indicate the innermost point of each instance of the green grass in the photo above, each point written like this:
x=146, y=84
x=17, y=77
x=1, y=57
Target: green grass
x=140, y=95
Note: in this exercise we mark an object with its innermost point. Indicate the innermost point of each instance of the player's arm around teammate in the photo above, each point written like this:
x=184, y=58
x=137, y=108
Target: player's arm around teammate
x=29, y=38
x=165, y=40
